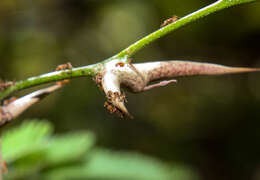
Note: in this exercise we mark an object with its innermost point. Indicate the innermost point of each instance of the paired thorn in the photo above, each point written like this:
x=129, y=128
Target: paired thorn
x=137, y=77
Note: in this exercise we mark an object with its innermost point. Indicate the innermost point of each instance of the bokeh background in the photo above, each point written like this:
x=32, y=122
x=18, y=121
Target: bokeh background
x=208, y=124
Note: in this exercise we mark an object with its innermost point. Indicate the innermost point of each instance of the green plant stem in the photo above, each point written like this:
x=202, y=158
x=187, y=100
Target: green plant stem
x=219, y=5
x=92, y=70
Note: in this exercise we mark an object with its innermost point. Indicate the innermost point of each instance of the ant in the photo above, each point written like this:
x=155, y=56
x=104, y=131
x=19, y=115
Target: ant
x=63, y=67
x=121, y=64
x=8, y=101
x=6, y=84
x=169, y=21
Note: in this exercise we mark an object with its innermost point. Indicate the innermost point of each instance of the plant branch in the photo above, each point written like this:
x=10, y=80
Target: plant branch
x=89, y=70
x=217, y=6
x=92, y=70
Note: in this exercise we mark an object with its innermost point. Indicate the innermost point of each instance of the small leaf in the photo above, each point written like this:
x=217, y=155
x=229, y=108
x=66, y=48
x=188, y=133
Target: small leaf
x=103, y=164
x=26, y=166
x=69, y=147
x=25, y=139
x=112, y=165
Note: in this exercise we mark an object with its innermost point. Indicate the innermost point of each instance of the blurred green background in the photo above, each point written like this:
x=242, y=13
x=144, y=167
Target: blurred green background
x=209, y=125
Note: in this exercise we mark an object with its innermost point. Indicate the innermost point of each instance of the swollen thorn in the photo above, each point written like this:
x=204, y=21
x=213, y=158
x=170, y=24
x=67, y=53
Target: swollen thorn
x=160, y=84
x=134, y=69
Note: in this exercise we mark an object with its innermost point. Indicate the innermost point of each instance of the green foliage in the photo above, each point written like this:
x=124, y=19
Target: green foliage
x=30, y=148
x=32, y=152
x=104, y=164
x=68, y=147
x=26, y=139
